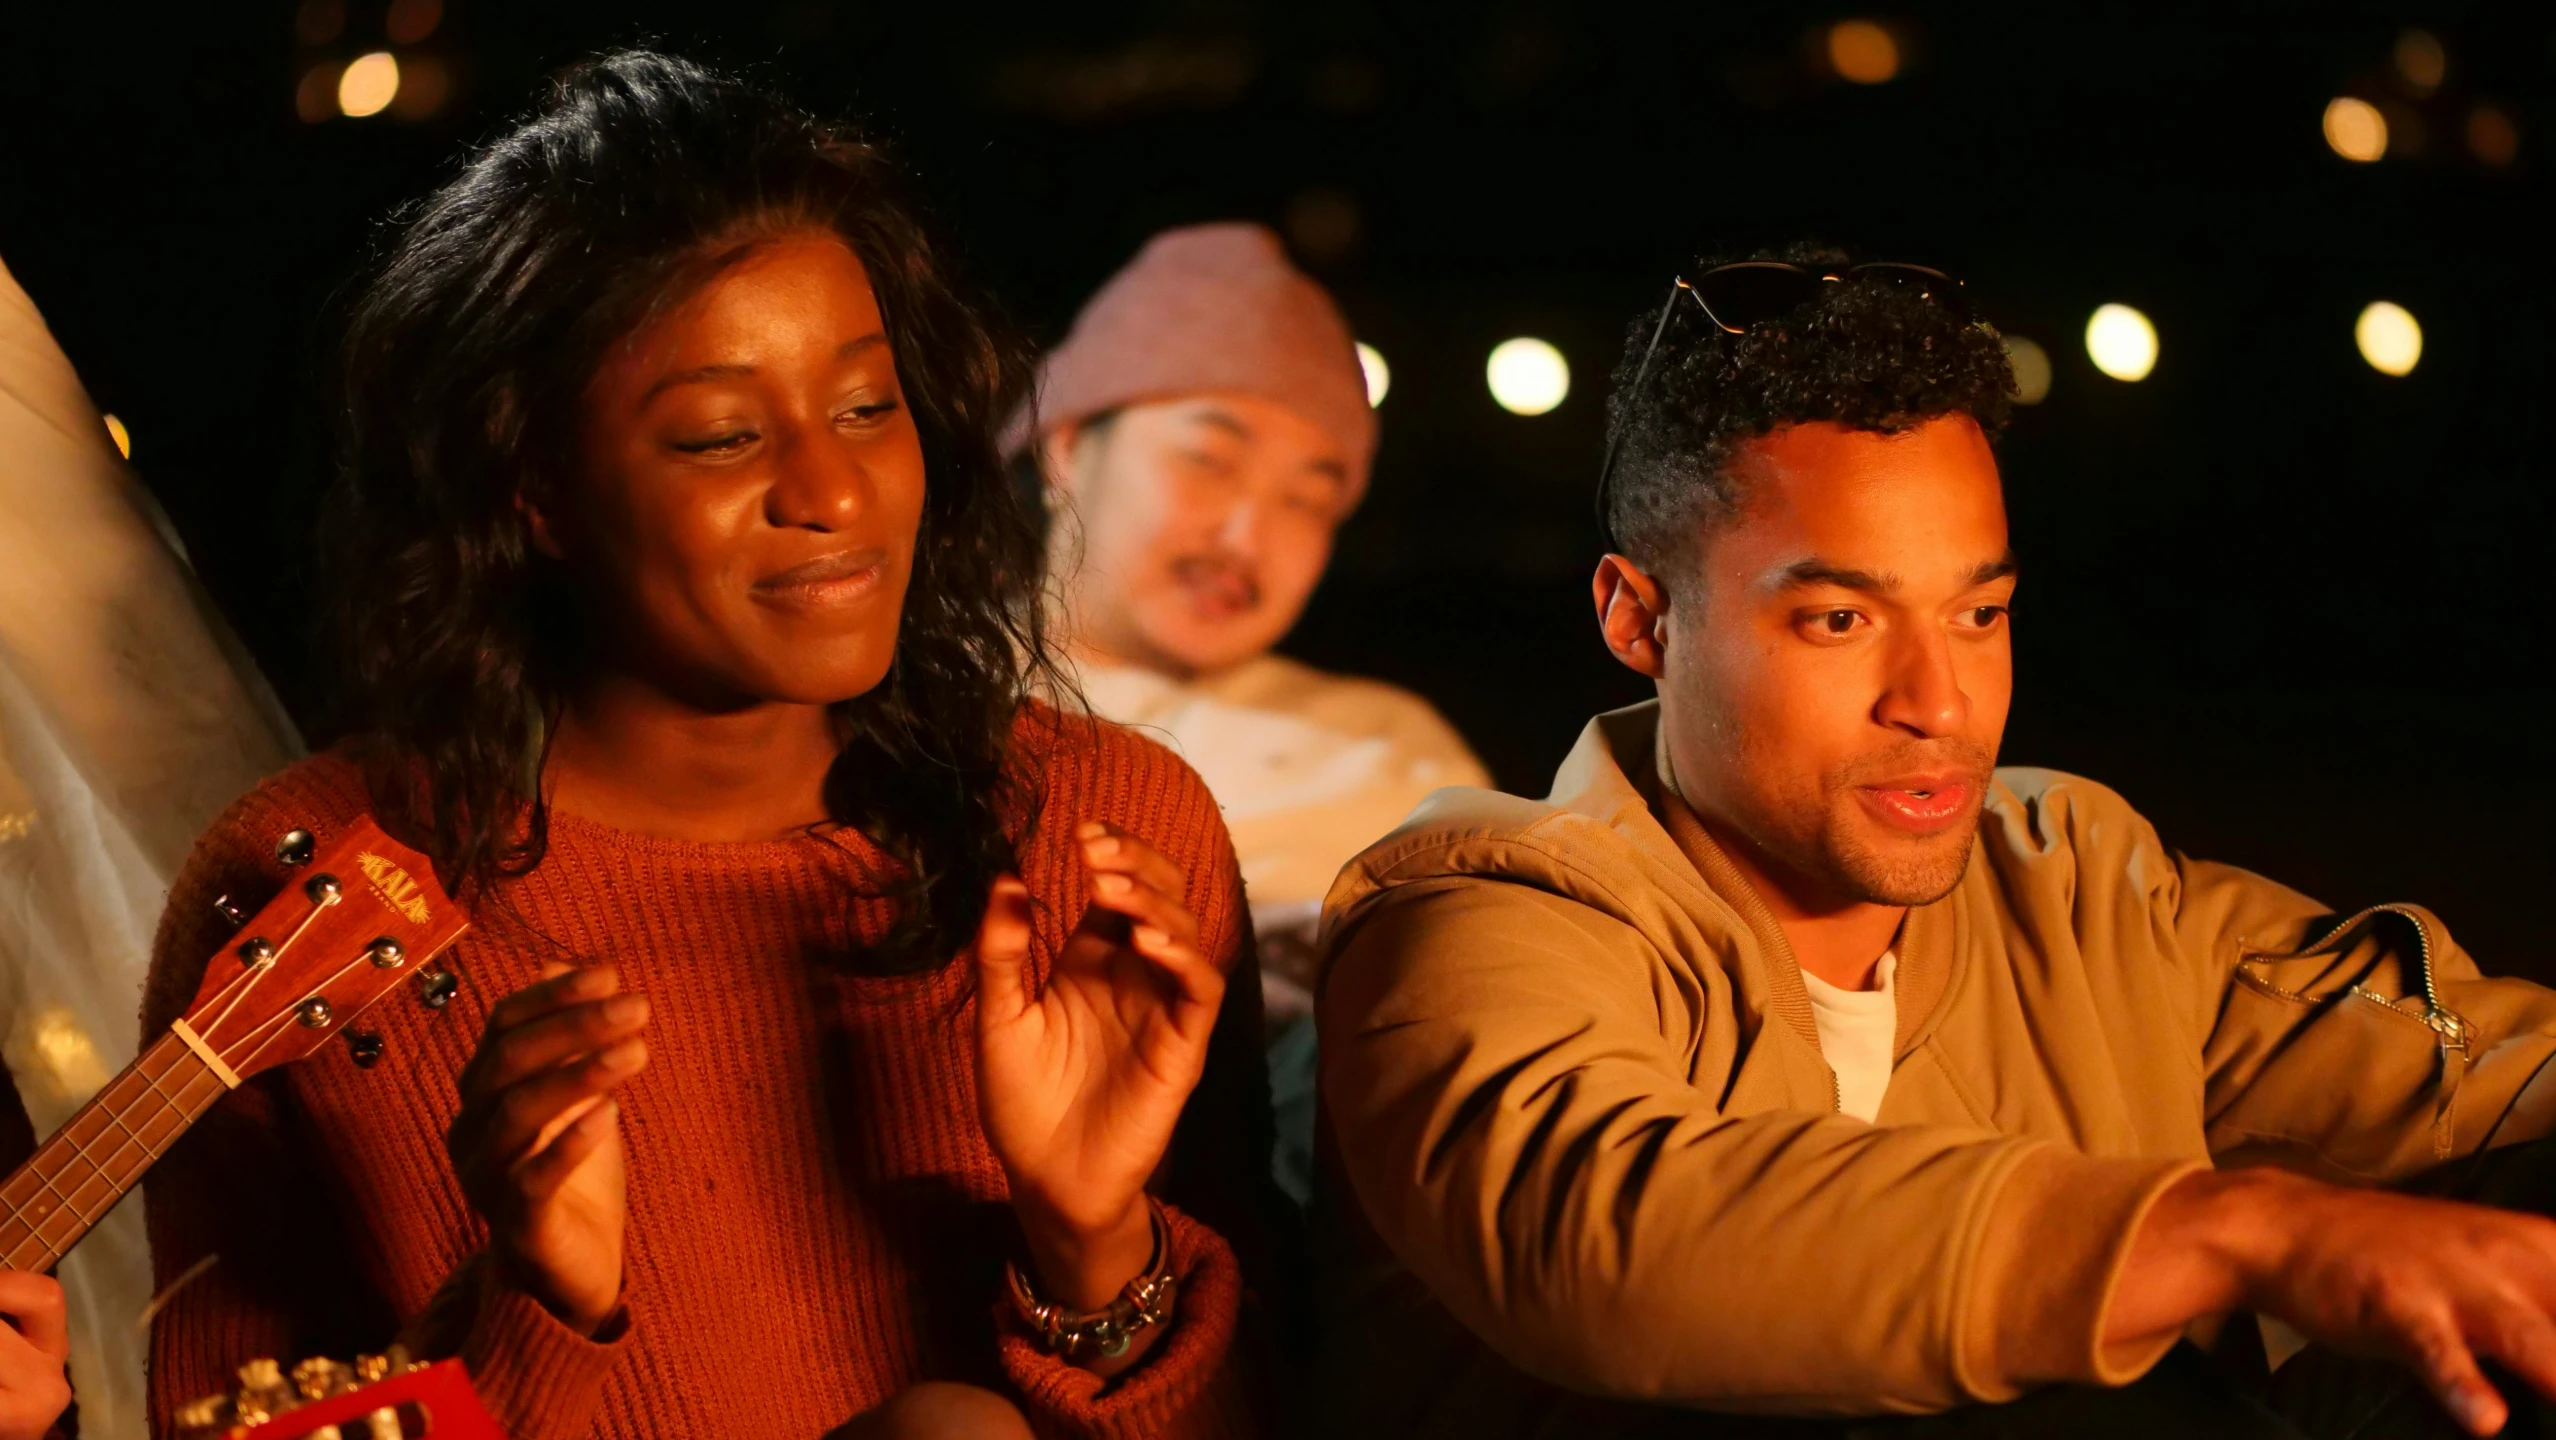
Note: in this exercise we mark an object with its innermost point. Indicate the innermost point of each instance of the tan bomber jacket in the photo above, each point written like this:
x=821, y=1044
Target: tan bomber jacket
x=1582, y=1156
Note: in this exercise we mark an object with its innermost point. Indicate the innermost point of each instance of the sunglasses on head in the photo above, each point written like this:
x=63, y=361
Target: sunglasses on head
x=1751, y=292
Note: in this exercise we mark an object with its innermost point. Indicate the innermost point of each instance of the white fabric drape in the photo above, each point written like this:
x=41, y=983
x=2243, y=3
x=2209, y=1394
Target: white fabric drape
x=129, y=717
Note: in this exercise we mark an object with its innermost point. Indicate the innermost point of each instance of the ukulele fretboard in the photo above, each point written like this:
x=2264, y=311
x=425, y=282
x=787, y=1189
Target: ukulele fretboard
x=70, y=1183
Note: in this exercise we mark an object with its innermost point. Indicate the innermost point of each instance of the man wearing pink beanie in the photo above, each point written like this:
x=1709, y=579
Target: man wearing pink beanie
x=1203, y=431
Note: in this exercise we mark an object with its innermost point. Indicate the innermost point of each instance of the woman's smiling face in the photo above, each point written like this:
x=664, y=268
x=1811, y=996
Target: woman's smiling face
x=744, y=519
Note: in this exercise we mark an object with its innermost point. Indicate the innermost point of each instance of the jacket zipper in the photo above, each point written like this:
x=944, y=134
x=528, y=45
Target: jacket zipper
x=2448, y=1027
x=2446, y=1023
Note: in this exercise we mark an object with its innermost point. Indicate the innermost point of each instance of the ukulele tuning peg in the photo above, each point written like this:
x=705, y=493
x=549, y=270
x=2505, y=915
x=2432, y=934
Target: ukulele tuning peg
x=319, y=1377
x=366, y=1049
x=230, y=911
x=437, y=987
x=262, y=1392
x=296, y=848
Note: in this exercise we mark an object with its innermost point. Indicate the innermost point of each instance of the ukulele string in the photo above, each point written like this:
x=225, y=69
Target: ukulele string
x=258, y=972
x=279, y=1019
x=228, y=997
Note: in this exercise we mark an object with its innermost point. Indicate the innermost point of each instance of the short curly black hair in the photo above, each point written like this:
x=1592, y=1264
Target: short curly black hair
x=1870, y=356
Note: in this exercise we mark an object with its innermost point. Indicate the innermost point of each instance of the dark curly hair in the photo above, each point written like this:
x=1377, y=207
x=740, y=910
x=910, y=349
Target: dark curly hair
x=1866, y=355
x=466, y=355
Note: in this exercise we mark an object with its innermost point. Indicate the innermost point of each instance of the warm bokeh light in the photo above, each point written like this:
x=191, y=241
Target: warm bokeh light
x=2032, y=369
x=2355, y=128
x=1862, y=51
x=122, y=437
x=2121, y=342
x=424, y=84
x=315, y=99
x=70, y=1066
x=1528, y=376
x=369, y=85
x=1379, y=374
x=2491, y=136
x=2420, y=61
x=410, y=21
x=2389, y=338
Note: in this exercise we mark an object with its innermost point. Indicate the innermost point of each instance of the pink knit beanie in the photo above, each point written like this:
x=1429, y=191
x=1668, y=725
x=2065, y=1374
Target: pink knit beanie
x=1210, y=307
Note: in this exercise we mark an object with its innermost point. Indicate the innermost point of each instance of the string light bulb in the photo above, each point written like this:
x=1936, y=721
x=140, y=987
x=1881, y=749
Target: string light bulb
x=2121, y=342
x=2354, y=129
x=1527, y=376
x=2389, y=338
x=1371, y=362
x=370, y=84
x=1863, y=51
x=2031, y=365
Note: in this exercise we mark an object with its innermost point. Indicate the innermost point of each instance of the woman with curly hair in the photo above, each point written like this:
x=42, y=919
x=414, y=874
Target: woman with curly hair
x=686, y=617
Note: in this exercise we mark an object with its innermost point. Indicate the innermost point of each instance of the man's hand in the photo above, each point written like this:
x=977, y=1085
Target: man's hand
x=2435, y=1284
x=1080, y=1084
x=35, y=1343
x=538, y=1139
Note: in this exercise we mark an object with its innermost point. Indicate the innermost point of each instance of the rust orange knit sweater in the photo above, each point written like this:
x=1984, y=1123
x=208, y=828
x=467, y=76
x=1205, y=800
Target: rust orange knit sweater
x=815, y=1220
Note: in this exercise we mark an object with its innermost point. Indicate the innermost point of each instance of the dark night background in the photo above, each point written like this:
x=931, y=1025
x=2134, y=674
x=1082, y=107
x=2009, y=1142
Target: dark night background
x=2289, y=605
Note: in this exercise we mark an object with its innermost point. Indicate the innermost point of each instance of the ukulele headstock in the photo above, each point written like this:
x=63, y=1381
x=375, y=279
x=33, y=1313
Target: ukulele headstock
x=356, y=920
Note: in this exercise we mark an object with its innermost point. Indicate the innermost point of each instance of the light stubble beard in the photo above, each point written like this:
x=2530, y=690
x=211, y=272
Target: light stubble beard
x=1879, y=866
x=1837, y=845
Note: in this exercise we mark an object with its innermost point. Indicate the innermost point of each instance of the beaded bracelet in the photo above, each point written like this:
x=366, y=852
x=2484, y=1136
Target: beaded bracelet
x=1146, y=1302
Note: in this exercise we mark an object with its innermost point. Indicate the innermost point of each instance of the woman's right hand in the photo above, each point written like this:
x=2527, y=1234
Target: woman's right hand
x=538, y=1139
x=34, y=1344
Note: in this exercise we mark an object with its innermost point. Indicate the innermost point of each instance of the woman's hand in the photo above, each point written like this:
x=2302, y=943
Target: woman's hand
x=1081, y=1084
x=538, y=1139
x=35, y=1343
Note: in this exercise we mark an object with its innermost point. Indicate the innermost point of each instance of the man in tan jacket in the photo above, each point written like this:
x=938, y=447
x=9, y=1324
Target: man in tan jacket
x=1790, y=1058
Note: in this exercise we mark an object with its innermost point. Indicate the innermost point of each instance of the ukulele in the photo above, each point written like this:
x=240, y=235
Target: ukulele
x=379, y=1397
x=367, y=918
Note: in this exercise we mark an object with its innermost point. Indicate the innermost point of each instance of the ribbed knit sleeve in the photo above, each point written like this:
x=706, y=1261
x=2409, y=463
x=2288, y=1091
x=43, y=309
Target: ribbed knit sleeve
x=1192, y=1383
x=1201, y=1379
x=540, y=1379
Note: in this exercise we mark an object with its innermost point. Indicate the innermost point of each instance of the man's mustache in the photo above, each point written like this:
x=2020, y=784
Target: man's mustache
x=1219, y=571
x=1968, y=758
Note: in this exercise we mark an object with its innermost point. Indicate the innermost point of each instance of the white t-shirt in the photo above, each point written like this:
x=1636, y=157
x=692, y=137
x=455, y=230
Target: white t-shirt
x=1858, y=1029
x=1309, y=768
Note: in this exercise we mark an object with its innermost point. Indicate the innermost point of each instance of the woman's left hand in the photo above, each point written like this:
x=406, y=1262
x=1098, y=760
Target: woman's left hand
x=1080, y=1084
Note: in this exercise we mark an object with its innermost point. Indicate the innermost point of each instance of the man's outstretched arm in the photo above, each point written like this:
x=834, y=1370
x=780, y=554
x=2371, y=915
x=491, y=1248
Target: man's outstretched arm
x=1507, y=1075
x=2364, y=1052
x=2432, y=1283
